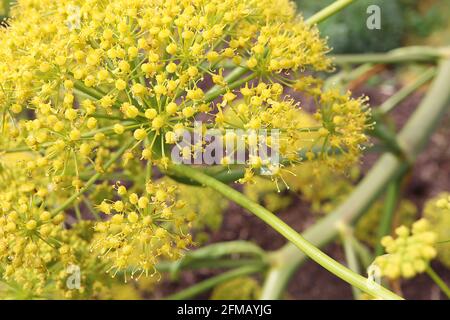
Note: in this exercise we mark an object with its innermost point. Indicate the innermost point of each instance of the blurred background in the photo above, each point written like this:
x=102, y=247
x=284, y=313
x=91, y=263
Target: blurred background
x=403, y=22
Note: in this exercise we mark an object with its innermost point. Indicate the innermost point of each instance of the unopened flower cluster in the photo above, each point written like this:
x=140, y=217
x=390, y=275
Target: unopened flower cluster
x=437, y=212
x=410, y=253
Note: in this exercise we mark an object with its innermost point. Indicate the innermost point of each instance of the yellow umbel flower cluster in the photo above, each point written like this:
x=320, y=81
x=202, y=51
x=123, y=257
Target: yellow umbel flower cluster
x=408, y=254
x=242, y=288
x=98, y=91
x=94, y=74
x=141, y=229
x=26, y=226
x=437, y=212
x=36, y=249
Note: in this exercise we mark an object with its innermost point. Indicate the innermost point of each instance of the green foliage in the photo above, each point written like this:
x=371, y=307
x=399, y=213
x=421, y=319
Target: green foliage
x=243, y=288
x=418, y=23
x=5, y=6
x=348, y=31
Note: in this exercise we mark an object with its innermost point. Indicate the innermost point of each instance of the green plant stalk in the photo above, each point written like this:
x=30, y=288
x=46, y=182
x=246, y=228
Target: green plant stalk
x=92, y=92
x=364, y=254
x=344, y=76
x=438, y=280
x=93, y=179
x=285, y=230
x=350, y=256
x=209, y=264
x=415, y=133
x=387, y=136
x=217, y=91
x=210, y=254
x=405, y=92
x=287, y=260
x=390, y=204
x=402, y=55
x=221, y=249
x=329, y=11
x=214, y=281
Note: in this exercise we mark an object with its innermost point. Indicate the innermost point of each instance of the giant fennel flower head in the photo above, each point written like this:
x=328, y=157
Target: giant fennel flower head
x=93, y=90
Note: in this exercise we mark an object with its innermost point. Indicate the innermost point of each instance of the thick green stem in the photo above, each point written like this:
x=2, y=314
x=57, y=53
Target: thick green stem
x=212, y=282
x=390, y=203
x=289, y=258
x=382, y=131
x=407, y=54
x=364, y=254
x=405, y=92
x=329, y=11
x=388, y=137
x=415, y=134
x=438, y=280
x=350, y=255
x=211, y=254
x=209, y=264
x=281, y=227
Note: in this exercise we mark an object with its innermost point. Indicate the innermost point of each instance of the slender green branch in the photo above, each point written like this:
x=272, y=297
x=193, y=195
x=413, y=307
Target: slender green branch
x=416, y=132
x=221, y=249
x=438, y=280
x=421, y=125
x=350, y=255
x=406, y=54
x=225, y=263
x=363, y=252
x=235, y=74
x=285, y=230
x=388, y=137
x=213, y=252
x=24, y=148
x=390, y=203
x=289, y=258
x=217, y=91
x=90, y=207
x=329, y=11
x=345, y=76
x=92, y=92
x=93, y=179
x=214, y=281
x=405, y=92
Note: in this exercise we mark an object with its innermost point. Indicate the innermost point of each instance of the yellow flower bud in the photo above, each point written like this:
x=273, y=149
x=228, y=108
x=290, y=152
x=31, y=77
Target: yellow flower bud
x=140, y=134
